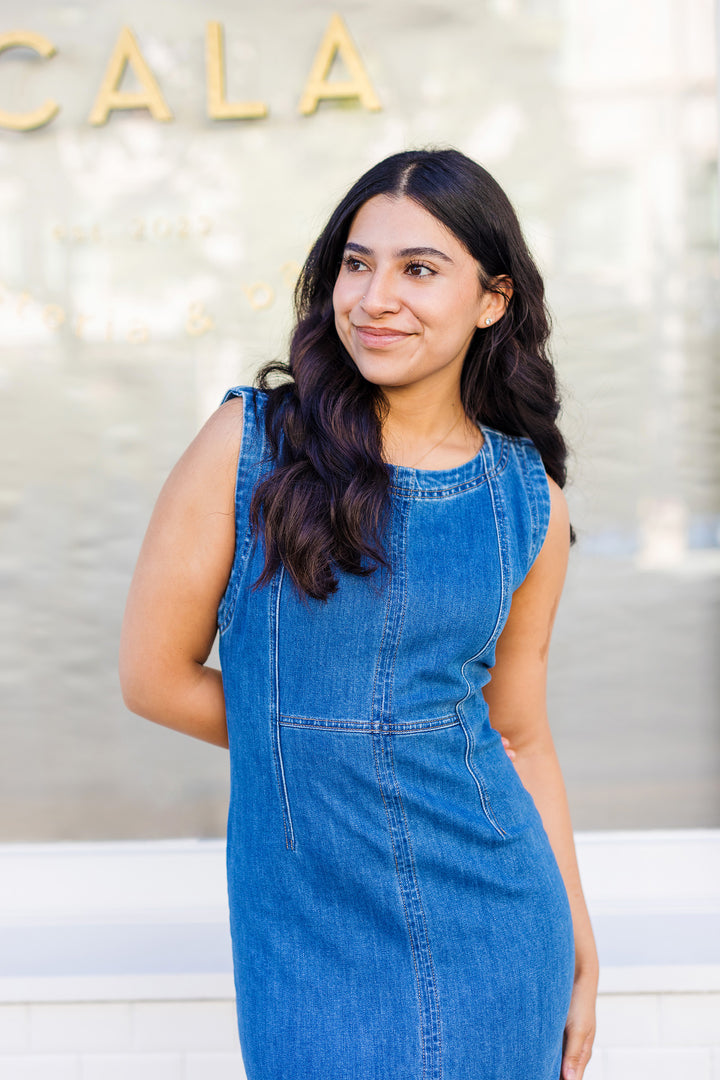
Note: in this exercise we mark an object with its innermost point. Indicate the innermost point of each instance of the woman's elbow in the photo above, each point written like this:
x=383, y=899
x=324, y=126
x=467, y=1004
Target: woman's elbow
x=134, y=692
x=139, y=683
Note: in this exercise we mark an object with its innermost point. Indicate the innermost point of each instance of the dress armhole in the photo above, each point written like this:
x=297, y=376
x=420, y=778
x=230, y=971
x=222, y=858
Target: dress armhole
x=538, y=491
x=250, y=458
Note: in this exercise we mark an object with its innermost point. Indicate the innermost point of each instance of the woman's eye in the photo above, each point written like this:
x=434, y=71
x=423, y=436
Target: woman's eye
x=419, y=270
x=353, y=264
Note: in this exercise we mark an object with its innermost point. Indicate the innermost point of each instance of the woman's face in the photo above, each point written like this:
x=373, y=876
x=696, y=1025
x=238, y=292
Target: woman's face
x=408, y=297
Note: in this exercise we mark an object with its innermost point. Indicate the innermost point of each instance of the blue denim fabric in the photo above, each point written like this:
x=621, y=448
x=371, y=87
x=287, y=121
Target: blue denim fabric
x=396, y=909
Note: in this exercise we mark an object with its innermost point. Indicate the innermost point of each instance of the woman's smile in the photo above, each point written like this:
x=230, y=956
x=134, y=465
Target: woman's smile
x=379, y=337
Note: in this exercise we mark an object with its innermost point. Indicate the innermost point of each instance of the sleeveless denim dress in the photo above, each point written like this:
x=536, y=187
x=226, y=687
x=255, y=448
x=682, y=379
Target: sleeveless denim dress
x=396, y=909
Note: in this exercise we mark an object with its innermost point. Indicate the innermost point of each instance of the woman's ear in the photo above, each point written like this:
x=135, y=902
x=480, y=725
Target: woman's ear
x=505, y=287
x=495, y=301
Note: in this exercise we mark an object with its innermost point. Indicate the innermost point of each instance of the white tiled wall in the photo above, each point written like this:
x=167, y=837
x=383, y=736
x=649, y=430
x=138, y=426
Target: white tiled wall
x=640, y=1037
x=657, y=1037
x=177, y=1040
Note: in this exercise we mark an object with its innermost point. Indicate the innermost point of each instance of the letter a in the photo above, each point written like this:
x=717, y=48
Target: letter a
x=336, y=41
x=109, y=97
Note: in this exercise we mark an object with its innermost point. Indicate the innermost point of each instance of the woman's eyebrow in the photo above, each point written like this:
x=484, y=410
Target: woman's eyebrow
x=403, y=253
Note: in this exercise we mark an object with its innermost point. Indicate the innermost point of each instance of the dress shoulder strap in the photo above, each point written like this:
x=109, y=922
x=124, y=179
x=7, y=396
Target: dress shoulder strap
x=253, y=407
x=538, y=495
x=526, y=496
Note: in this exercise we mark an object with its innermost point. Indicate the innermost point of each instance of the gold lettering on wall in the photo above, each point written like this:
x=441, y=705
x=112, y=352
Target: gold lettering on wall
x=94, y=324
x=109, y=98
x=80, y=323
x=337, y=42
x=138, y=334
x=198, y=322
x=218, y=108
x=259, y=294
x=53, y=316
x=290, y=272
x=44, y=113
x=141, y=229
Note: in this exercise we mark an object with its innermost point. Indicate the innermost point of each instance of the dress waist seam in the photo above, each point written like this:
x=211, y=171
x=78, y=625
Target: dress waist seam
x=369, y=727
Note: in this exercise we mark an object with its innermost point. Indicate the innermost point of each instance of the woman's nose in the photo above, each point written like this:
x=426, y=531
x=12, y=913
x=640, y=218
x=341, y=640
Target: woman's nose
x=380, y=296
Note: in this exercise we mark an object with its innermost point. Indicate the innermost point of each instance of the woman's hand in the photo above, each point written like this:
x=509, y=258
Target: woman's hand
x=508, y=748
x=580, y=1027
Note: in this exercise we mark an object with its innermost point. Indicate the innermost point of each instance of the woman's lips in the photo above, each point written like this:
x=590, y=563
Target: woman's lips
x=376, y=337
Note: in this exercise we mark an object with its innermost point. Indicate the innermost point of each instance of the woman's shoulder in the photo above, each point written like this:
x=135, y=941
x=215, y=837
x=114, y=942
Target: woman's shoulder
x=210, y=461
x=202, y=482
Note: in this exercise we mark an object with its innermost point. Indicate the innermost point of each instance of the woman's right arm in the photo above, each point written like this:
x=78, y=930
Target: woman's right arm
x=181, y=574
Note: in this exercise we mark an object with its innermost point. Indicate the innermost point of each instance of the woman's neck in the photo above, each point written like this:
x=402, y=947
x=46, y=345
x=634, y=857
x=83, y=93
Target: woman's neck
x=429, y=434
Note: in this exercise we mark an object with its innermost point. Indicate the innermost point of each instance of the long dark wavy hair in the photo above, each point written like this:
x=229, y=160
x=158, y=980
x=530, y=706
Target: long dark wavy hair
x=323, y=505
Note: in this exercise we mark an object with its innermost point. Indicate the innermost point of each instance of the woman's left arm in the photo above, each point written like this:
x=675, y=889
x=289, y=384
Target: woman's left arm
x=516, y=697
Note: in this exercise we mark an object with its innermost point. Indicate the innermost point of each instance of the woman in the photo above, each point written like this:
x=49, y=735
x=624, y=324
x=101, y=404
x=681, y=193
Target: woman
x=375, y=537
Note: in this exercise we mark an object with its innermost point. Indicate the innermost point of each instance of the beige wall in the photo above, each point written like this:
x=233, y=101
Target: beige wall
x=146, y=265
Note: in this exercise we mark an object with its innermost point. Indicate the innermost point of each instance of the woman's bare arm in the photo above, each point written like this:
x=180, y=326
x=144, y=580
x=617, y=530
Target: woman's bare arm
x=516, y=697
x=181, y=574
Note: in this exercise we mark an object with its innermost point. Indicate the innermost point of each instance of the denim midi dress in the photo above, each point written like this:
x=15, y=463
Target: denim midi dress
x=396, y=909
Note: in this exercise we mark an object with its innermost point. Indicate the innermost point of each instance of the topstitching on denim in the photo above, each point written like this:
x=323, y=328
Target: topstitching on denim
x=275, y=711
x=382, y=724
x=428, y=998
x=501, y=538
x=393, y=727
x=428, y=484
x=250, y=464
x=537, y=492
x=394, y=616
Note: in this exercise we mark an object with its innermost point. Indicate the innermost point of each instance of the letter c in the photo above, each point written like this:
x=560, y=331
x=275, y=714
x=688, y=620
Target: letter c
x=44, y=113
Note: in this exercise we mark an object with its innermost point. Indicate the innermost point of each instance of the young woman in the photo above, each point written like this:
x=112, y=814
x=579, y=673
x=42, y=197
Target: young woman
x=381, y=539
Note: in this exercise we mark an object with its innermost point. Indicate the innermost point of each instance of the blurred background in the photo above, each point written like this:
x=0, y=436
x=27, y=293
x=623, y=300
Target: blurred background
x=147, y=258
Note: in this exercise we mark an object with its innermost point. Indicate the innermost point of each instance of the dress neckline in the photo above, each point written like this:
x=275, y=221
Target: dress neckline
x=404, y=476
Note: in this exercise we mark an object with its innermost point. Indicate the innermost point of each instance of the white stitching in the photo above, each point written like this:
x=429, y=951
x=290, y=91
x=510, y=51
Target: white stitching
x=278, y=747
